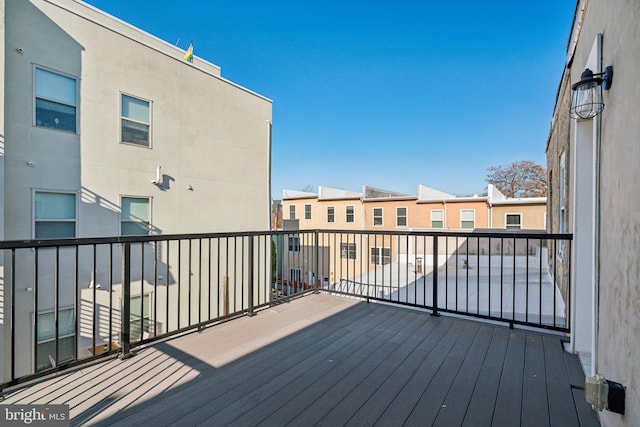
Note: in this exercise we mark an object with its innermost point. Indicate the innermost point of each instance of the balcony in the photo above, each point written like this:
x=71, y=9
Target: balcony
x=217, y=342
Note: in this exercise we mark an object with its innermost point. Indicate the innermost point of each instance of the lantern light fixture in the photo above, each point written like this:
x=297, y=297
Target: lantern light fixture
x=587, y=97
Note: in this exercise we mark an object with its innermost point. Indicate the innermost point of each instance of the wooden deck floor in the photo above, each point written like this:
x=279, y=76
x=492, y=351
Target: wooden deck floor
x=325, y=360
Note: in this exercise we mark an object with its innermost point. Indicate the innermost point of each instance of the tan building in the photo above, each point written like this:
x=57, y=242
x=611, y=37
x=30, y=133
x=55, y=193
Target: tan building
x=592, y=160
x=344, y=257
x=519, y=214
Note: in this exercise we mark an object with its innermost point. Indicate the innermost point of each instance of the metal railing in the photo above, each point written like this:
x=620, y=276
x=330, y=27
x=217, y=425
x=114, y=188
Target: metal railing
x=520, y=278
x=71, y=301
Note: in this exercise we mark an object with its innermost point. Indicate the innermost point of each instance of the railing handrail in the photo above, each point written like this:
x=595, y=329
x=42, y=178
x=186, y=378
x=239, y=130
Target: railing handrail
x=82, y=241
x=237, y=270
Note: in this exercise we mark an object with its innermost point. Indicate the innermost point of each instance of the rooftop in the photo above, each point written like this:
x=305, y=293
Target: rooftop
x=330, y=360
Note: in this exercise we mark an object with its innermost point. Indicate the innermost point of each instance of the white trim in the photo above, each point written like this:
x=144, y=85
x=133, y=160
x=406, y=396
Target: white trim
x=406, y=216
x=121, y=117
x=506, y=225
x=310, y=211
x=34, y=96
x=373, y=217
x=33, y=209
x=355, y=250
x=127, y=196
x=474, y=218
x=380, y=255
x=346, y=214
x=431, y=218
x=333, y=208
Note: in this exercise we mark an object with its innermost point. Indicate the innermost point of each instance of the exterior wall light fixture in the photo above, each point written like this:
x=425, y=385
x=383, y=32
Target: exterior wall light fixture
x=587, y=98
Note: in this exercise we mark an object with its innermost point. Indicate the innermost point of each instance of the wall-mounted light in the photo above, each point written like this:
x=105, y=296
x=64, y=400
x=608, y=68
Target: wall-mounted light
x=158, y=179
x=587, y=97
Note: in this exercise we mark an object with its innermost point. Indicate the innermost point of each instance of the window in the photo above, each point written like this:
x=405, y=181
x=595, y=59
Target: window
x=140, y=320
x=437, y=219
x=331, y=214
x=377, y=216
x=513, y=221
x=294, y=244
x=136, y=121
x=295, y=275
x=54, y=215
x=46, y=337
x=135, y=216
x=467, y=218
x=401, y=217
x=350, y=214
x=292, y=212
x=562, y=202
x=307, y=211
x=348, y=250
x=56, y=100
x=380, y=256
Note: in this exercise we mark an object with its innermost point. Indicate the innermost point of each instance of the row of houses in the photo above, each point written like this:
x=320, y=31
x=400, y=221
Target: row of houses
x=378, y=209
x=352, y=250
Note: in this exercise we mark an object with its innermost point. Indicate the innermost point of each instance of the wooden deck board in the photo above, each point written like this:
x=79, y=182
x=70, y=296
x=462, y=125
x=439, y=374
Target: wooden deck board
x=327, y=360
x=535, y=405
x=509, y=398
x=558, y=387
x=483, y=400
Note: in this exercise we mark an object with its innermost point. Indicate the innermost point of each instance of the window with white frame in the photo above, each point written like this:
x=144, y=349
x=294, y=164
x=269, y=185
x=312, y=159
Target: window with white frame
x=135, y=216
x=46, y=338
x=307, y=211
x=294, y=244
x=377, y=217
x=437, y=219
x=55, y=101
x=467, y=218
x=562, y=202
x=350, y=214
x=54, y=215
x=135, y=121
x=331, y=214
x=348, y=250
x=140, y=319
x=380, y=256
x=513, y=221
x=292, y=212
x=295, y=275
x=401, y=217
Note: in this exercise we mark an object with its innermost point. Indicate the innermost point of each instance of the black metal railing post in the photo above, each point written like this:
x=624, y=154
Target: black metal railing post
x=316, y=245
x=434, y=311
x=125, y=302
x=250, y=274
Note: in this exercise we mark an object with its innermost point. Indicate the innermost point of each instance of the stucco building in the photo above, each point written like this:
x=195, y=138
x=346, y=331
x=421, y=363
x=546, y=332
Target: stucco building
x=593, y=176
x=106, y=130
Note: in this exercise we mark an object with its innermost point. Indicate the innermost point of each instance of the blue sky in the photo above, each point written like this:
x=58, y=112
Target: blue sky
x=387, y=94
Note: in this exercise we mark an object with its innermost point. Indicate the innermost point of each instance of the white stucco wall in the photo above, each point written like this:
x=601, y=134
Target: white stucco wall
x=210, y=136
x=618, y=333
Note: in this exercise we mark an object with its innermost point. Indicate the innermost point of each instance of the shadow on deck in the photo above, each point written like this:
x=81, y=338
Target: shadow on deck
x=327, y=360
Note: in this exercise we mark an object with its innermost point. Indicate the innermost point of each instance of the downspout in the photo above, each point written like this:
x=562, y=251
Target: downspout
x=596, y=231
x=444, y=202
